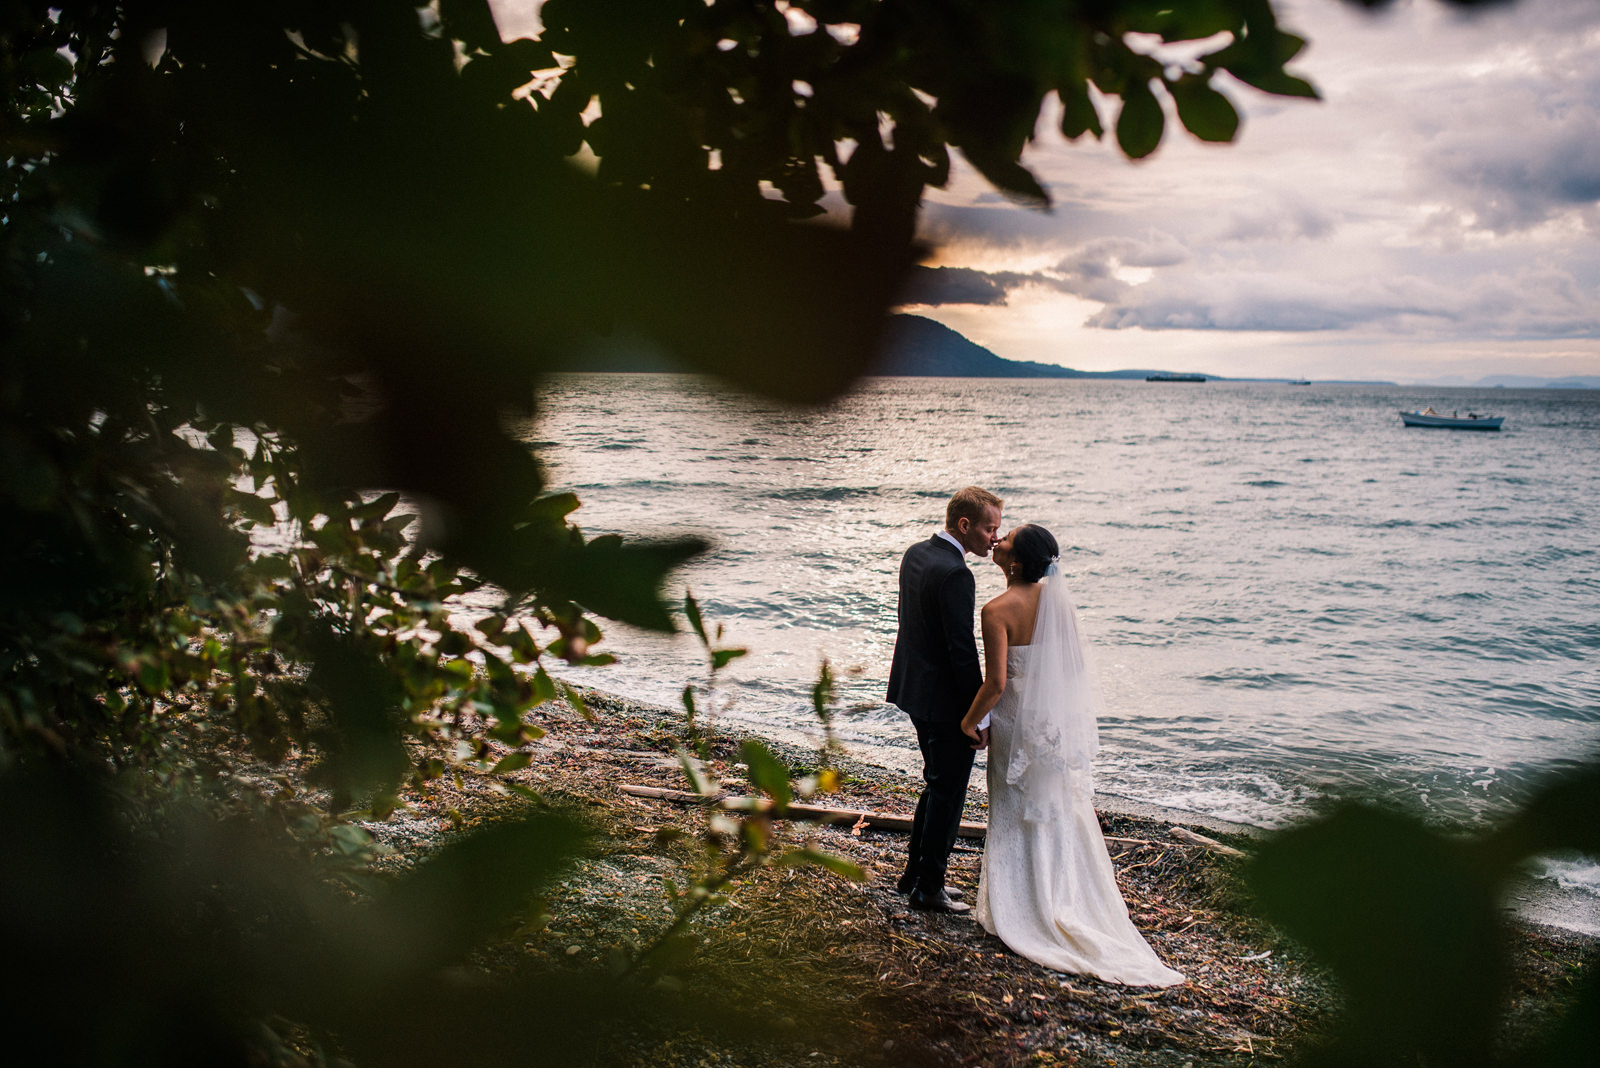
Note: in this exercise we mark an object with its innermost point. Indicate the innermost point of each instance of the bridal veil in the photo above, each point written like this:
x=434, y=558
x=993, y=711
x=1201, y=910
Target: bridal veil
x=1053, y=737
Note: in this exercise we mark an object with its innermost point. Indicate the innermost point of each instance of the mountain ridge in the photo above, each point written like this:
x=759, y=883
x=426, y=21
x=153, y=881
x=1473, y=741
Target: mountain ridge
x=918, y=347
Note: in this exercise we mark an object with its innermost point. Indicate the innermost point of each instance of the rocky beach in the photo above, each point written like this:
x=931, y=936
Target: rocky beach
x=790, y=964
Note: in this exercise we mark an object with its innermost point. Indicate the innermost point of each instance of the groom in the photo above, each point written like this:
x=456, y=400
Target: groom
x=933, y=678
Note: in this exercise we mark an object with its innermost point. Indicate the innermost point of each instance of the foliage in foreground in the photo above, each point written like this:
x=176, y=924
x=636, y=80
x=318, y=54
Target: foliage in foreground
x=273, y=267
x=1410, y=920
x=270, y=269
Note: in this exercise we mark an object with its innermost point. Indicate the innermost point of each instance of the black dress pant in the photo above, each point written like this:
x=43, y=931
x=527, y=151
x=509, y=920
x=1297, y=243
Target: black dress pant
x=947, y=757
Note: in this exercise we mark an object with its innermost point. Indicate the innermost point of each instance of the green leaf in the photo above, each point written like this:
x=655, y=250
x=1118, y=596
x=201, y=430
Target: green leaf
x=552, y=509
x=364, y=749
x=1204, y=111
x=1194, y=20
x=1383, y=900
x=1140, y=123
x=1560, y=816
x=332, y=538
x=1258, y=58
x=527, y=793
x=530, y=55
x=1078, y=114
x=524, y=649
x=471, y=22
x=454, y=643
x=822, y=692
x=816, y=857
x=350, y=839
x=767, y=772
x=422, y=917
x=512, y=762
x=721, y=658
x=576, y=702
x=1277, y=82
x=691, y=611
x=254, y=508
x=45, y=67
x=396, y=524
x=617, y=579
x=1007, y=175
x=754, y=833
x=269, y=566
x=691, y=770
x=544, y=687
x=376, y=508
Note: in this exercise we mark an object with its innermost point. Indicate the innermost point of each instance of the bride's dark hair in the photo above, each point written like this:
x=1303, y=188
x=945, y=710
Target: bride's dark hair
x=1034, y=549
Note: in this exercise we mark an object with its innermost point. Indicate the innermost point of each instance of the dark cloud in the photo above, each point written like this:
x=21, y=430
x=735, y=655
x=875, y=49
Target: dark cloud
x=1509, y=179
x=953, y=285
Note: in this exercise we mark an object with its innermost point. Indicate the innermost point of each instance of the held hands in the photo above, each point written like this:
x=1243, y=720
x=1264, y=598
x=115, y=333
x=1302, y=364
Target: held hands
x=970, y=726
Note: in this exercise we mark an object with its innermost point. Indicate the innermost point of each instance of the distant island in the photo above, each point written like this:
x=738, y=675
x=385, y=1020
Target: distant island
x=914, y=346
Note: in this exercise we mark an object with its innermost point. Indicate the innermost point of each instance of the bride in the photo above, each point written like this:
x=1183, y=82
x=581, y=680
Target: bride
x=1047, y=887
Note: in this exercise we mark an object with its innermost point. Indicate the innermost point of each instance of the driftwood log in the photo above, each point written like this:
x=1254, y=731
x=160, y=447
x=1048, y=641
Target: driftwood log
x=859, y=819
x=856, y=818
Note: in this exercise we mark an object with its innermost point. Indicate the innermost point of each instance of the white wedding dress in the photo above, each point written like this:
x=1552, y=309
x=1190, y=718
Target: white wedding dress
x=1047, y=888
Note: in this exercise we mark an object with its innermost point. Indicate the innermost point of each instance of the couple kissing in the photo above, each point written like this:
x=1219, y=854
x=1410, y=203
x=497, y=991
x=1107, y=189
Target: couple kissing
x=1046, y=885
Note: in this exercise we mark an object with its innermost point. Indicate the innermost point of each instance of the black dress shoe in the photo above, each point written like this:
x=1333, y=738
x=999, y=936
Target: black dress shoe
x=938, y=901
x=908, y=883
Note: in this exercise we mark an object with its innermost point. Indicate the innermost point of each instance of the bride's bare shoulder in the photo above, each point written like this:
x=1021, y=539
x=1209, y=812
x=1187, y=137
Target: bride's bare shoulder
x=1004, y=603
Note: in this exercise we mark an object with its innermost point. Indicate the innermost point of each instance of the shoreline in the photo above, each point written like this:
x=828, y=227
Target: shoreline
x=1531, y=900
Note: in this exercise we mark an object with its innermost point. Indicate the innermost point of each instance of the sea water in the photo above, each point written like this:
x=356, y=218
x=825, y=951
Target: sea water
x=1292, y=596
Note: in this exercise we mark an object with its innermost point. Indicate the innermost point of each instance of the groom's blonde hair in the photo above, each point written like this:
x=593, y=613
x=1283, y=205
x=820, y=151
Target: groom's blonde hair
x=969, y=503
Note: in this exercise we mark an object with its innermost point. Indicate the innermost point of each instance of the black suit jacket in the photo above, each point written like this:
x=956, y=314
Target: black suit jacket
x=935, y=672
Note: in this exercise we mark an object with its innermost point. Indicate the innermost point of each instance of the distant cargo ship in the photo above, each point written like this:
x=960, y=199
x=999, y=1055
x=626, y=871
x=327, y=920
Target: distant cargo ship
x=1174, y=378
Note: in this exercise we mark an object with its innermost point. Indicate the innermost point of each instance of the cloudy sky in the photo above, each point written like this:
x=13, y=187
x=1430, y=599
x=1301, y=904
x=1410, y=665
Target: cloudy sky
x=1436, y=214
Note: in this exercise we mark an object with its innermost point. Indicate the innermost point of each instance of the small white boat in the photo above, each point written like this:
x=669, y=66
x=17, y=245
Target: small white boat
x=1453, y=421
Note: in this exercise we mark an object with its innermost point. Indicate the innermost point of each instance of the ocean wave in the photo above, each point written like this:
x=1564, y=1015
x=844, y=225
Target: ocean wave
x=1256, y=680
x=1266, y=483
x=1570, y=874
x=822, y=493
x=1253, y=800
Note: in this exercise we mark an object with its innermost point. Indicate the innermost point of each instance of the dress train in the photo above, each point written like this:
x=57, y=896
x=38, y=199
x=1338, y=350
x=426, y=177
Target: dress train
x=1047, y=887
